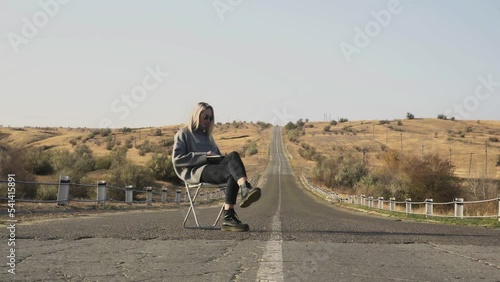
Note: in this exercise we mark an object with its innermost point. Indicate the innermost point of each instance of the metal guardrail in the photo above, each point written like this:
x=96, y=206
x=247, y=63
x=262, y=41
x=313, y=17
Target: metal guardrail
x=408, y=206
x=64, y=185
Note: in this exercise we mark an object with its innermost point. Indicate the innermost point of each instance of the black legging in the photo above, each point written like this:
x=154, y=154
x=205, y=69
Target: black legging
x=229, y=170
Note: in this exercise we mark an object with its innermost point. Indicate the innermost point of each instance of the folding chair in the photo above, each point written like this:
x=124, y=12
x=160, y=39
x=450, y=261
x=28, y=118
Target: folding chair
x=192, y=201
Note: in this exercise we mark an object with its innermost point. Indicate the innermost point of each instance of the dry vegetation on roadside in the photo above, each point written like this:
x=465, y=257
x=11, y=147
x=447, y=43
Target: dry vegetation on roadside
x=371, y=149
x=116, y=156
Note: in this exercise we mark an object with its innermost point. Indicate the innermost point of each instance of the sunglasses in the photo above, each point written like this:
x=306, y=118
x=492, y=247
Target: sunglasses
x=208, y=117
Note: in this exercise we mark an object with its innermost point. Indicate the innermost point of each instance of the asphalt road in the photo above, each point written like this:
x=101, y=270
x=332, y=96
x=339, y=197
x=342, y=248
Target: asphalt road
x=294, y=236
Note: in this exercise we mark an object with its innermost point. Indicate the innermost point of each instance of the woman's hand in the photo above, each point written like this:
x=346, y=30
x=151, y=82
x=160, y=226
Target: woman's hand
x=210, y=153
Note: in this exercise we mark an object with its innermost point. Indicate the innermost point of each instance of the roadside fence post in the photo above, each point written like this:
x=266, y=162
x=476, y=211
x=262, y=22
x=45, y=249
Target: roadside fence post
x=408, y=206
x=428, y=207
x=393, y=204
x=129, y=194
x=164, y=192
x=101, y=192
x=498, y=207
x=63, y=191
x=370, y=201
x=363, y=200
x=178, y=196
x=149, y=195
x=381, y=203
x=186, y=197
x=459, y=207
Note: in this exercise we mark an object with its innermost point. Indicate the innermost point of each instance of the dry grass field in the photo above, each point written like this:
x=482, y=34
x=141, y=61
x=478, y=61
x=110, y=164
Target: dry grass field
x=468, y=143
x=228, y=138
x=465, y=142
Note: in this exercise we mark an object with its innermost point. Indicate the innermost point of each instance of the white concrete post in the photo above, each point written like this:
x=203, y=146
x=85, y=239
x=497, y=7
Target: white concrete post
x=499, y=207
x=178, y=196
x=63, y=191
x=164, y=193
x=428, y=207
x=393, y=204
x=363, y=200
x=149, y=195
x=381, y=203
x=370, y=201
x=101, y=192
x=129, y=194
x=459, y=207
x=408, y=206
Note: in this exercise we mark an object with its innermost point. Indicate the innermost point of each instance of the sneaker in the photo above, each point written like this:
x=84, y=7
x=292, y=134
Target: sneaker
x=249, y=195
x=232, y=223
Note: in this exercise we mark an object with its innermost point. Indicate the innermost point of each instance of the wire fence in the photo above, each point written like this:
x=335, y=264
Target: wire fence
x=458, y=208
x=129, y=195
x=147, y=196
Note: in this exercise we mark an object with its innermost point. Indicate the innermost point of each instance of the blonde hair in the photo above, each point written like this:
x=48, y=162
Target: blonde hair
x=194, y=122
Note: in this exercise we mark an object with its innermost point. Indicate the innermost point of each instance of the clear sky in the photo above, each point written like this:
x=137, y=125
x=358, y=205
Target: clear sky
x=116, y=63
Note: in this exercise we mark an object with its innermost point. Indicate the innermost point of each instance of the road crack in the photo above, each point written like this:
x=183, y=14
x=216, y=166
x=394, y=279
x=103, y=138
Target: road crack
x=483, y=261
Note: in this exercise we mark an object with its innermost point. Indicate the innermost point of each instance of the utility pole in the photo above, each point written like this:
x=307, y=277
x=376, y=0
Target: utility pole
x=401, y=142
x=450, y=156
x=486, y=158
x=470, y=162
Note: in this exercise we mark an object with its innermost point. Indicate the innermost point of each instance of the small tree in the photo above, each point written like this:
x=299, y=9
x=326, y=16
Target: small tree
x=409, y=116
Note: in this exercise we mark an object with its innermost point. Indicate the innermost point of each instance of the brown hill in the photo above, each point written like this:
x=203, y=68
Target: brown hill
x=472, y=145
x=229, y=137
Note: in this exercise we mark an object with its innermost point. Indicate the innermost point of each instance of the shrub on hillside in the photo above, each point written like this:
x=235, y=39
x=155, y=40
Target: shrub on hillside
x=11, y=162
x=123, y=173
x=162, y=167
x=294, y=134
x=147, y=147
x=73, y=164
x=341, y=171
x=103, y=162
x=251, y=149
x=37, y=161
x=263, y=125
x=431, y=177
x=309, y=152
x=290, y=126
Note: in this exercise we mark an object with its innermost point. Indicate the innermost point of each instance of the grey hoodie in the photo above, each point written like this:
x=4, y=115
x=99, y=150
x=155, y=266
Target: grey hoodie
x=190, y=153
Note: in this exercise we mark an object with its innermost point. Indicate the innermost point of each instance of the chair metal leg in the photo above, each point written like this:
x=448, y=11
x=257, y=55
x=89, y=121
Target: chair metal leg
x=218, y=217
x=192, y=209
